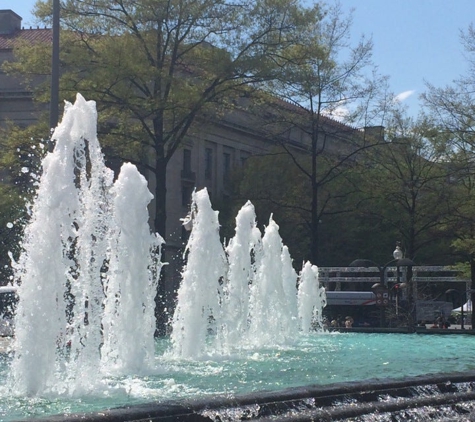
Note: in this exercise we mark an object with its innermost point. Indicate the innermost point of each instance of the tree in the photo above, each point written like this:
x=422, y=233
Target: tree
x=274, y=182
x=155, y=67
x=453, y=107
x=405, y=185
x=322, y=75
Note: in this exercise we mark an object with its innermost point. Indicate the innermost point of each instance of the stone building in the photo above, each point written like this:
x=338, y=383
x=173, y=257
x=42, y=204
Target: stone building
x=16, y=103
x=206, y=158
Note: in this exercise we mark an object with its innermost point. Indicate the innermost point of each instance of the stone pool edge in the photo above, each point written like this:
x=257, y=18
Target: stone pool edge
x=305, y=403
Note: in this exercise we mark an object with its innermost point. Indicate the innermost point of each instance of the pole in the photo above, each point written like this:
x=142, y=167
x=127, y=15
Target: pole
x=382, y=282
x=398, y=279
x=54, y=103
x=472, y=288
x=397, y=302
x=412, y=300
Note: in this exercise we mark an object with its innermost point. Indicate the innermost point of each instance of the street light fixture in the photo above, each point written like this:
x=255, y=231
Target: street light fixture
x=397, y=254
x=381, y=287
x=399, y=260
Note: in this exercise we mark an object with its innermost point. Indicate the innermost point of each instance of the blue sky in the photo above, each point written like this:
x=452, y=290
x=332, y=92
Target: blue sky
x=414, y=40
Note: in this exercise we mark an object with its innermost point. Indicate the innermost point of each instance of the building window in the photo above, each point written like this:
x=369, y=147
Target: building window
x=208, y=163
x=186, y=161
x=226, y=165
x=186, y=173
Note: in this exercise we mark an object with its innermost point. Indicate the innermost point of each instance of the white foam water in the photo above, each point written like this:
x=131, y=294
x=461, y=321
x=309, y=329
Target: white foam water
x=246, y=294
x=198, y=308
x=311, y=298
x=88, y=275
x=85, y=275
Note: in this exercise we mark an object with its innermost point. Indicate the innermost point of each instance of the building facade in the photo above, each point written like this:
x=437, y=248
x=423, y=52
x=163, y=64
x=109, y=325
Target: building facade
x=207, y=157
x=16, y=100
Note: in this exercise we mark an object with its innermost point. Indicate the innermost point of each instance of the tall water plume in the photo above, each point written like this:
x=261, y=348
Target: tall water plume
x=129, y=322
x=311, y=298
x=243, y=251
x=270, y=310
x=66, y=251
x=245, y=294
x=289, y=283
x=200, y=293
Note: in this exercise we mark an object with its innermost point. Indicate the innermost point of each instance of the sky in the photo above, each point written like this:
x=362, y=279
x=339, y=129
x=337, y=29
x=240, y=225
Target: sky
x=415, y=41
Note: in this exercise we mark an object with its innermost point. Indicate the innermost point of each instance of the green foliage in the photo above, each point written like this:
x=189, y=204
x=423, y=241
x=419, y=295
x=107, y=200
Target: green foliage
x=275, y=183
x=393, y=191
x=452, y=109
x=154, y=66
x=405, y=186
x=321, y=74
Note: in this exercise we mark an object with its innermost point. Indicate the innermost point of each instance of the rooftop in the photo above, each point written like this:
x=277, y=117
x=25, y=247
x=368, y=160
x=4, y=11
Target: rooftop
x=7, y=41
x=11, y=31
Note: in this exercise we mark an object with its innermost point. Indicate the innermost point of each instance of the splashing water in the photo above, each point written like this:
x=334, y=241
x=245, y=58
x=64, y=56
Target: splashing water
x=243, y=251
x=246, y=294
x=89, y=268
x=269, y=304
x=200, y=292
x=78, y=262
x=311, y=298
x=129, y=320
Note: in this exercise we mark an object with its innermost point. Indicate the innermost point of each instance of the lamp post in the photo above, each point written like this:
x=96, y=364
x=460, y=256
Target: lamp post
x=381, y=289
x=396, y=289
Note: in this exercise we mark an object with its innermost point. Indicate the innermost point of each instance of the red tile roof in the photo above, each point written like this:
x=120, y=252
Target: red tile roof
x=7, y=41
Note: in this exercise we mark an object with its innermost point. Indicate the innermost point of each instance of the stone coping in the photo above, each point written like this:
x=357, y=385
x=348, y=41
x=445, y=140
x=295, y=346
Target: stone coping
x=312, y=402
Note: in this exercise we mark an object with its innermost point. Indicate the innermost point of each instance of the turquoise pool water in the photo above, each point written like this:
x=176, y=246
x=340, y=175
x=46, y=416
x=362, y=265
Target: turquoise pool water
x=313, y=359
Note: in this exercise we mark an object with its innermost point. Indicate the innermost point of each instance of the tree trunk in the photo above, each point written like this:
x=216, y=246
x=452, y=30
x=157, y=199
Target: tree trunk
x=314, y=208
x=314, y=225
x=160, y=217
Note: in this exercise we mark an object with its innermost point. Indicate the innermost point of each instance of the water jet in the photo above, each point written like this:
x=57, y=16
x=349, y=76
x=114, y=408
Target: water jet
x=243, y=342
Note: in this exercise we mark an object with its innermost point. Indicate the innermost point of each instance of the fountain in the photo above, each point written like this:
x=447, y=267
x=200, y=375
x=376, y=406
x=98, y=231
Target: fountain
x=246, y=342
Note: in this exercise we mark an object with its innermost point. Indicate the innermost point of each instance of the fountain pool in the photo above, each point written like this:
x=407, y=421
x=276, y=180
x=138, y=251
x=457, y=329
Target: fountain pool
x=246, y=328
x=314, y=359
